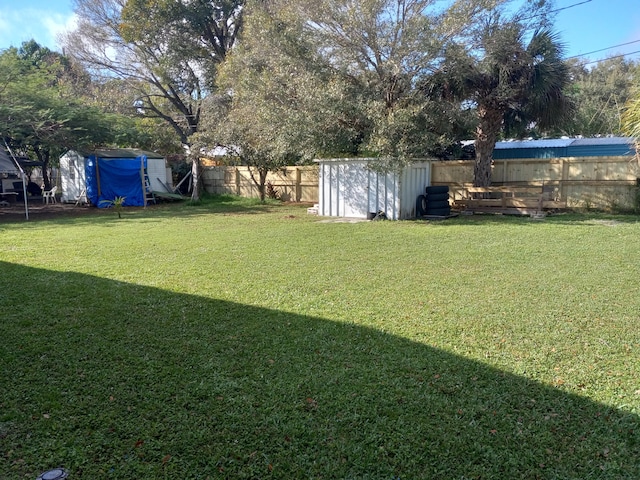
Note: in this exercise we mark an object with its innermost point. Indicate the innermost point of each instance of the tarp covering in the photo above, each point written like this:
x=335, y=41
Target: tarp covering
x=108, y=178
x=7, y=165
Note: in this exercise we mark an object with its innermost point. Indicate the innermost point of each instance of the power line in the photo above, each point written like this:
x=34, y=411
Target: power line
x=603, y=49
x=569, y=6
x=609, y=58
x=557, y=10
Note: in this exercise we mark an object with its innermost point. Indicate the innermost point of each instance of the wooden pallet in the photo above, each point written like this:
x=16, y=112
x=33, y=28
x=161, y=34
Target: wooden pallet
x=508, y=200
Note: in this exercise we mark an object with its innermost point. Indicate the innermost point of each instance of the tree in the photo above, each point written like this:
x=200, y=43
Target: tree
x=385, y=48
x=600, y=94
x=513, y=85
x=331, y=78
x=37, y=114
x=167, y=51
x=631, y=115
x=279, y=104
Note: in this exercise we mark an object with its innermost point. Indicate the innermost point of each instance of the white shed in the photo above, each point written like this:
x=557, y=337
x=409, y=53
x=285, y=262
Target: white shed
x=73, y=176
x=350, y=187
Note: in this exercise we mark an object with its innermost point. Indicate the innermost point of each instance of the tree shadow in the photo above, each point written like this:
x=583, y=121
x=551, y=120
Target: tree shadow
x=114, y=380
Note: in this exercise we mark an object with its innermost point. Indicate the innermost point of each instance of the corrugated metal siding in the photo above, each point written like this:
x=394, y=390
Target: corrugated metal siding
x=614, y=150
x=413, y=181
x=384, y=194
x=541, y=152
x=348, y=188
x=563, y=148
x=548, y=143
x=344, y=189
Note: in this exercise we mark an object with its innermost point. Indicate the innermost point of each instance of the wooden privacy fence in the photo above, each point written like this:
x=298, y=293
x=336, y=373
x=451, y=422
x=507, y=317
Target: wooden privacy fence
x=294, y=184
x=578, y=182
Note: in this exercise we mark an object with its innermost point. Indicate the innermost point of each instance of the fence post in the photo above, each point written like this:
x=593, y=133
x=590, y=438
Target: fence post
x=563, y=181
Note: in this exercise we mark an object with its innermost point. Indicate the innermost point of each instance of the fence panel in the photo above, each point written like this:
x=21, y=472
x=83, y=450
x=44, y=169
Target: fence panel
x=595, y=182
x=294, y=184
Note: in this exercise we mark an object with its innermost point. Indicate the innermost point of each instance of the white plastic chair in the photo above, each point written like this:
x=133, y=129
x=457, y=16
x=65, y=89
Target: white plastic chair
x=49, y=195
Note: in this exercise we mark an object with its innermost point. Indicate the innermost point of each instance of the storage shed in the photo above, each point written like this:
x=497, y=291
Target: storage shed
x=106, y=174
x=355, y=188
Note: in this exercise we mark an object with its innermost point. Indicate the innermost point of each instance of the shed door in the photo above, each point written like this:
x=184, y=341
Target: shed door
x=349, y=189
x=355, y=190
x=157, y=173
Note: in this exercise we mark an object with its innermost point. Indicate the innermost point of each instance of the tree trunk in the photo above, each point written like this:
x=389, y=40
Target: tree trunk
x=44, y=156
x=261, y=181
x=262, y=187
x=195, y=179
x=486, y=134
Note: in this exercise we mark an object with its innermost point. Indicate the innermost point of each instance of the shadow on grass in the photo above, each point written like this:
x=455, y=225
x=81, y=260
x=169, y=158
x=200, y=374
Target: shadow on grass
x=113, y=380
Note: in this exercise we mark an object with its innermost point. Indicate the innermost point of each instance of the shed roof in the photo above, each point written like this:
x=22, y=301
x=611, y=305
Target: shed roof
x=549, y=143
x=564, y=142
x=579, y=142
x=118, y=153
x=125, y=153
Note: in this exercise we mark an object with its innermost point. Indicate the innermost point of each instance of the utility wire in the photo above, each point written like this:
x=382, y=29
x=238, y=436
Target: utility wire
x=557, y=10
x=603, y=49
x=569, y=6
x=609, y=58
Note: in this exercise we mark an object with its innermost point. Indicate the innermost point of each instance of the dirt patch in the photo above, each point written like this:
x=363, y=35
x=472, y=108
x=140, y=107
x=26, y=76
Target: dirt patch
x=39, y=211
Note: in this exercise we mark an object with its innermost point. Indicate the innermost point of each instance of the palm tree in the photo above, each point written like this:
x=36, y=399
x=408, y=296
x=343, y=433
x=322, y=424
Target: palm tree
x=631, y=119
x=513, y=86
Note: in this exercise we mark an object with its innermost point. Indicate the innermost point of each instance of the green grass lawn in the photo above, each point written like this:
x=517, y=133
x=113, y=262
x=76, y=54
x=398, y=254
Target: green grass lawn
x=245, y=341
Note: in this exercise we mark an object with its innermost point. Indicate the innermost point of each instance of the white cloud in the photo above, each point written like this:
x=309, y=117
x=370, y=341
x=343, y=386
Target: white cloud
x=59, y=24
x=44, y=26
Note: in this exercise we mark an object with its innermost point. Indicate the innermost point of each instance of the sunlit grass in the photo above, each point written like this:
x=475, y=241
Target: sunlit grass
x=231, y=339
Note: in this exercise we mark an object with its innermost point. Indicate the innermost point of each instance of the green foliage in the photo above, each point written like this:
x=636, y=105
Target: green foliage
x=166, y=52
x=600, y=93
x=323, y=79
x=631, y=114
x=40, y=113
x=117, y=204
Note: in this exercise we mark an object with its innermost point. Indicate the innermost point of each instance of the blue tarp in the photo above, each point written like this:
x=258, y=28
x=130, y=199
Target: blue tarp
x=108, y=178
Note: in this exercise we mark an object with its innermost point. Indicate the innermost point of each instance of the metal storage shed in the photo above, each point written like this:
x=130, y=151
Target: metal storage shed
x=352, y=188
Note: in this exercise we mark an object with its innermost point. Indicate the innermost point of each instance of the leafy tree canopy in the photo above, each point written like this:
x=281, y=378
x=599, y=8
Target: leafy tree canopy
x=600, y=92
x=38, y=112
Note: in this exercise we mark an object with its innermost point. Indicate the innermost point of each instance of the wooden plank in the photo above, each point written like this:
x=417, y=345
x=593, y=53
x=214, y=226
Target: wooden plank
x=484, y=202
x=522, y=202
x=505, y=189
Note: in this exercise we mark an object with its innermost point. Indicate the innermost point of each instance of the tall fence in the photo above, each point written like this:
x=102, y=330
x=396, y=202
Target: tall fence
x=591, y=182
x=293, y=184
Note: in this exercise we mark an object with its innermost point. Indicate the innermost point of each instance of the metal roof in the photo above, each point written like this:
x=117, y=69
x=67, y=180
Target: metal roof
x=580, y=142
x=564, y=142
x=550, y=143
x=125, y=153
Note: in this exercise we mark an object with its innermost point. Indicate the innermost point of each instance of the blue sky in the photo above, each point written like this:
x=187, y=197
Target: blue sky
x=588, y=26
